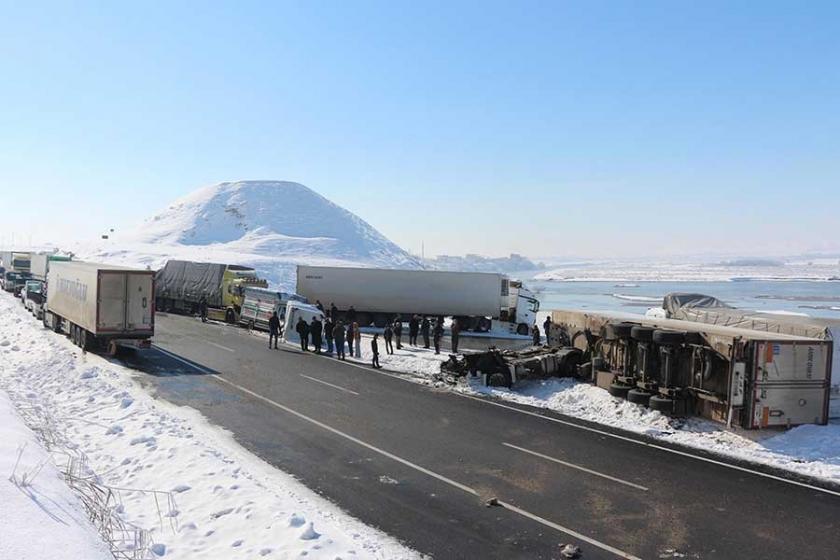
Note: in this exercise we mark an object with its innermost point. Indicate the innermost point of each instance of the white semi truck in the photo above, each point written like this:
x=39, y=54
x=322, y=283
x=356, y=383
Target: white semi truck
x=100, y=306
x=480, y=301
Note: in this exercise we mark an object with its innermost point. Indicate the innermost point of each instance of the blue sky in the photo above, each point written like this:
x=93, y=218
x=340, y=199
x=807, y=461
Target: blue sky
x=546, y=128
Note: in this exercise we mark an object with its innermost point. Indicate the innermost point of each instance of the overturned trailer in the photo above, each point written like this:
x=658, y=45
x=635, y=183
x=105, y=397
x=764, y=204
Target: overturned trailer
x=739, y=376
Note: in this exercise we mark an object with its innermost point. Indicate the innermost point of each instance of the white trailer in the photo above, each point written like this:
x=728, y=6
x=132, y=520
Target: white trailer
x=100, y=306
x=480, y=301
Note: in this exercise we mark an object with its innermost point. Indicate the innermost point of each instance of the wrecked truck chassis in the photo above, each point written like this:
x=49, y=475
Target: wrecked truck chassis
x=503, y=368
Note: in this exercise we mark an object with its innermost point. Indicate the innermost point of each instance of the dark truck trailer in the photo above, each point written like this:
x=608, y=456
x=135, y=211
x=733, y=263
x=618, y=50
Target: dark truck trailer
x=181, y=285
x=100, y=306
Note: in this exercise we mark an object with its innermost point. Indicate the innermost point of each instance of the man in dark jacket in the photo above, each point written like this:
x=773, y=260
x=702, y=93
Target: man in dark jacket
x=273, y=329
x=338, y=336
x=547, y=328
x=535, y=332
x=328, y=334
x=303, y=332
x=413, y=329
x=425, y=328
x=455, y=329
x=202, y=309
x=315, y=334
x=398, y=332
x=334, y=313
x=350, y=335
x=438, y=335
x=374, y=347
x=388, y=334
x=351, y=318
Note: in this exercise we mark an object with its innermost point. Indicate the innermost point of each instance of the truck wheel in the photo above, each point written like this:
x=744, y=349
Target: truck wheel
x=642, y=334
x=230, y=316
x=522, y=329
x=637, y=396
x=668, y=337
x=74, y=334
x=661, y=404
x=498, y=380
x=484, y=324
x=619, y=390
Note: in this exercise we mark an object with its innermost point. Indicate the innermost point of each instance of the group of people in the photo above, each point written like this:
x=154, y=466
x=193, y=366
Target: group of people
x=335, y=334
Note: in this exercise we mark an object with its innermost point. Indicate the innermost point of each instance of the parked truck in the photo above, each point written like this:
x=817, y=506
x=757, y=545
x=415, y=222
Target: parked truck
x=181, y=285
x=17, y=261
x=40, y=264
x=100, y=306
x=480, y=301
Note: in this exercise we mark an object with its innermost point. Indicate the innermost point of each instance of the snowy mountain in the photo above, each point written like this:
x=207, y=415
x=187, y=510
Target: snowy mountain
x=270, y=225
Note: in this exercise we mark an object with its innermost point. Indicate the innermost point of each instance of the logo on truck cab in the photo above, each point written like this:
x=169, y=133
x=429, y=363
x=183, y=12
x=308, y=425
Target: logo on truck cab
x=72, y=288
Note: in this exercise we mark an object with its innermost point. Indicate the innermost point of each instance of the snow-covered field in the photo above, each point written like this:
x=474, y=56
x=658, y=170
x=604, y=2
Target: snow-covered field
x=190, y=485
x=696, y=270
x=807, y=450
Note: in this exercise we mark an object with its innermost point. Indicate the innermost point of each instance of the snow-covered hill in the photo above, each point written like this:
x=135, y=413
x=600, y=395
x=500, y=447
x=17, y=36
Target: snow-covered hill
x=270, y=225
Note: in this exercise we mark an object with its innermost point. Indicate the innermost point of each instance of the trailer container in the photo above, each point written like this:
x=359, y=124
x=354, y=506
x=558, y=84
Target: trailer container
x=100, y=306
x=480, y=300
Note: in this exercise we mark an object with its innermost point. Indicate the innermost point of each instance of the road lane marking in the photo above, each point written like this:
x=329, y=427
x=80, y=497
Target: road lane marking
x=407, y=463
x=220, y=346
x=487, y=401
x=331, y=385
x=573, y=466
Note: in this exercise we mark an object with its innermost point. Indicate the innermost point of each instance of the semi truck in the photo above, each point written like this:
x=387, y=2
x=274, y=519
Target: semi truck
x=182, y=285
x=40, y=264
x=100, y=306
x=17, y=261
x=480, y=301
x=734, y=375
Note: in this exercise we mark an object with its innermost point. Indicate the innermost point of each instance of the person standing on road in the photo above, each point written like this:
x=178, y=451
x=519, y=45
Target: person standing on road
x=273, y=329
x=425, y=327
x=338, y=335
x=328, y=333
x=535, y=332
x=456, y=334
x=438, y=335
x=351, y=315
x=374, y=347
x=351, y=336
x=202, y=309
x=357, y=339
x=547, y=327
x=398, y=332
x=315, y=331
x=388, y=334
x=303, y=332
x=413, y=329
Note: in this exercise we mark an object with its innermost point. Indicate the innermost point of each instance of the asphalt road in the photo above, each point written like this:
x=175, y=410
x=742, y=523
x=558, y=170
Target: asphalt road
x=421, y=463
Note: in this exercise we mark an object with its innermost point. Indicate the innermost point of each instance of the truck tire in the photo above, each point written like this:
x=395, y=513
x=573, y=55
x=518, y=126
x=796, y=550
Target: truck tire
x=662, y=404
x=670, y=338
x=498, y=380
x=608, y=332
x=484, y=324
x=642, y=334
x=522, y=329
x=637, y=396
x=619, y=390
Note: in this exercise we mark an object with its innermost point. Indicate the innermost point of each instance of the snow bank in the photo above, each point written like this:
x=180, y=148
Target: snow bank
x=216, y=500
x=40, y=516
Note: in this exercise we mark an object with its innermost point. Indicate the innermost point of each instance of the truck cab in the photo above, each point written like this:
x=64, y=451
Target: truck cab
x=33, y=294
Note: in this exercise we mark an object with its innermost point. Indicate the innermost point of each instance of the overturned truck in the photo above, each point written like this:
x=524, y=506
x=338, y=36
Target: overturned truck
x=738, y=376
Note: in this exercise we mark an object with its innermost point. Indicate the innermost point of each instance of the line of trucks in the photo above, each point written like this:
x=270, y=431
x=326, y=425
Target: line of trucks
x=714, y=362
x=109, y=307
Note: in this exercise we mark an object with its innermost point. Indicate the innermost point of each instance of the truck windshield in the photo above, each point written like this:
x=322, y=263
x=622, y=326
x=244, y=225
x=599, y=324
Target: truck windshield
x=534, y=305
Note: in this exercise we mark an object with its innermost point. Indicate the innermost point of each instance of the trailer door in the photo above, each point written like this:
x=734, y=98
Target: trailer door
x=139, y=302
x=111, y=304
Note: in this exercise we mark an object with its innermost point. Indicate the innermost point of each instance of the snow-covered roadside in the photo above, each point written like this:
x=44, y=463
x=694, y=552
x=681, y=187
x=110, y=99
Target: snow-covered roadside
x=216, y=500
x=40, y=516
x=806, y=450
